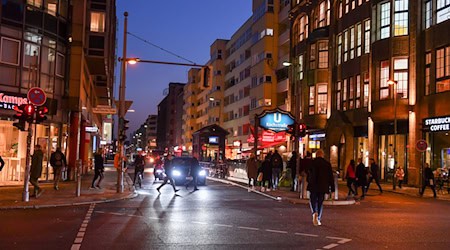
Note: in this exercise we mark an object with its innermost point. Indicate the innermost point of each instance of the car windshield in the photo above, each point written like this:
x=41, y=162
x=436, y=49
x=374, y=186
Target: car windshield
x=181, y=162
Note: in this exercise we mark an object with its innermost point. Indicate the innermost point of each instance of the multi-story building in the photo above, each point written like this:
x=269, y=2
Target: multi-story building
x=371, y=76
x=43, y=44
x=150, y=130
x=250, y=79
x=169, y=121
x=190, y=111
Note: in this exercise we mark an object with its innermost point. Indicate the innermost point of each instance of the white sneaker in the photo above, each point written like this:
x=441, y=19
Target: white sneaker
x=262, y=189
x=319, y=223
x=268, y=190
x=249, y=190
x=315, y=219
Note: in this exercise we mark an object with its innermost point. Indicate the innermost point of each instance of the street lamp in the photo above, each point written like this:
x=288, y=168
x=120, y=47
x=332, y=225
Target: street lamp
x=394, y=84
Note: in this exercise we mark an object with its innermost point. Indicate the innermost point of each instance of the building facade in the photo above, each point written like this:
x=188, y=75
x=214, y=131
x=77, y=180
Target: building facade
x=369, y=75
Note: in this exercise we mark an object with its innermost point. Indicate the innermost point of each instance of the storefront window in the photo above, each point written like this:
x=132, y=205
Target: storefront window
x=438, y=151
x=386, y=154
x=13, y=151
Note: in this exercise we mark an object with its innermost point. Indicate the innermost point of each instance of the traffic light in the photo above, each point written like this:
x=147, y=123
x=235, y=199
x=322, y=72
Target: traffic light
x=41, y=114
x=291, y=129
x=302, y=130
x=20, y=116
x=28, y=112
x=123, y=126
x=206, y=76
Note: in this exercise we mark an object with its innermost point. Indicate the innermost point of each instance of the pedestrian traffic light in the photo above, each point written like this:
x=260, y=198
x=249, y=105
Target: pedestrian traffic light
x=20, y=116
x=41, y=114
x=302, y=130
x=291, y=129
x=28, y=112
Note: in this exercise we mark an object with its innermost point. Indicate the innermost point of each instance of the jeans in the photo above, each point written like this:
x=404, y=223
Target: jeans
x=350, y=184
x=57, y=173
x=316, y=203
x=98, y=173
x=275, y=176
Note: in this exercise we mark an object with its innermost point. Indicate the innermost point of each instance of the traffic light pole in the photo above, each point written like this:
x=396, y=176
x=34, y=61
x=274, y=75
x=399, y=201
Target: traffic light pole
x=26, y=193
x=122, y=104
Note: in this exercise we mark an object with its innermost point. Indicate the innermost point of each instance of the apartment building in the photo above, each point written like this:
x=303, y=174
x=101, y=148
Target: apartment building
x=372, y=79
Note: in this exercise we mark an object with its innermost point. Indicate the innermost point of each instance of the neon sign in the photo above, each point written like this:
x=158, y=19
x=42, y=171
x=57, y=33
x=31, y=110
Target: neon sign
x=9, y=100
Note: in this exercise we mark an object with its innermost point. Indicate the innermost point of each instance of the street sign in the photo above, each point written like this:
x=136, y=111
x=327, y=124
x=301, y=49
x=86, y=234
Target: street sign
x=103, y=109
x=421, y=145
x=276, y=120
x=37, y=96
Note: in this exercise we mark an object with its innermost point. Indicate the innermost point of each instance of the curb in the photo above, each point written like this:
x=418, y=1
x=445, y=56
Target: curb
x=290, y=200
x=130, y=196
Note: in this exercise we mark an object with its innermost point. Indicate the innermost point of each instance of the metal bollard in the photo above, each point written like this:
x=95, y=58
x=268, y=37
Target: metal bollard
x=78, y=176
x=336, y=186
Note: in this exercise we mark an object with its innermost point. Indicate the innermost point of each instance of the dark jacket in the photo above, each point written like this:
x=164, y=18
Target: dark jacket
x=428, y=174
x=321, y=180
x=139, y=162
x=2, y=163
x=276, y=161
x=292, y=164
x=98, y=162
x=36, y=164
x=252, y=167
x=374, y=170
x=361, y=174
x=58, y=159
x=194, y=167
x=306, y=165
x=266, y=169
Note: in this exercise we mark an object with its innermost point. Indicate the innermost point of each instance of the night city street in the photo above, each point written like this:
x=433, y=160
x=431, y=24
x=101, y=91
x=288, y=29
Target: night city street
x=220, y=216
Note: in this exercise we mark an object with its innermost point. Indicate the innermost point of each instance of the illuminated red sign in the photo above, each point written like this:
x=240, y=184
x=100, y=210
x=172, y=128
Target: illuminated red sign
x=8, y=100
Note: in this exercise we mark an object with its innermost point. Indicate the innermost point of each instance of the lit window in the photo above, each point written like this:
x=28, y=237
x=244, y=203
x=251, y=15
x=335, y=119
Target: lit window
x=358, y=40
x=344, y=95
x=443, y=69
x=401, y=76
x=401, y=17
x=339, y=49
x=427, y=73
x=384, y=78
x=428, y=14
x=352, y=42
x=300, y=67
x=312, y=56
x=367, y=36
x=36, y=3
x=358, y=92
x=51, y=6
x=322, y=98
x=351, y=93
x=31, y=54
x=338, y=96
x=385, y=20
x=442, y=11
x=97, y=21
x=366, y=89
x=345, y=45
x=312, y=93
x=323, y=55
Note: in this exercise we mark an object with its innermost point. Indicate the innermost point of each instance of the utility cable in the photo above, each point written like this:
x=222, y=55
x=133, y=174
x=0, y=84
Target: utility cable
x=154, y=45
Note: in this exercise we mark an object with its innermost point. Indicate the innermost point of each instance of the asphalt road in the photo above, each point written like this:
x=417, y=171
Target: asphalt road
x=220, y=216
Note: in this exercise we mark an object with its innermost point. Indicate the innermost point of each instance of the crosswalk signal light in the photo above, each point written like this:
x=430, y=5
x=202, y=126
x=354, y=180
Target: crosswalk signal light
x=291, y=129
x=20, y=124
x=302, y=130
x=41, y=114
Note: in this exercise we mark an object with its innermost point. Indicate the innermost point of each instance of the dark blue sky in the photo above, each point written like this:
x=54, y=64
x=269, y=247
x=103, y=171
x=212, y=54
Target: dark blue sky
x=185, y=27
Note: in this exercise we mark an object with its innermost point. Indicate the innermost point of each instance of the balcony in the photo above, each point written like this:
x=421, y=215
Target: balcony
x=283, y=39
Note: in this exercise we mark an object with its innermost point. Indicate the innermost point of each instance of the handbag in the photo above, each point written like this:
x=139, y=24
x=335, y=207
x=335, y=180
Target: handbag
x=260, y=177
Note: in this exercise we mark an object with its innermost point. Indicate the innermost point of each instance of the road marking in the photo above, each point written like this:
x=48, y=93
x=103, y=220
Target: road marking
x=222, y=225
x=199, y=222
x=341, y=240
x=249, y=228
x=307, y=235
x=331, y=246
x=81, y=232
x=276, y=231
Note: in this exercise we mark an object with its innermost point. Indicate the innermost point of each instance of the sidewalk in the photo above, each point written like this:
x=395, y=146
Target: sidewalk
x=11, y=197
x=410, y=191
x=284, y=193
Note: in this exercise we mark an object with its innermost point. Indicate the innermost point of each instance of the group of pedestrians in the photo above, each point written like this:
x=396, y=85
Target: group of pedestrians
x=194, y=169
x=267, y=174
x=358, y=176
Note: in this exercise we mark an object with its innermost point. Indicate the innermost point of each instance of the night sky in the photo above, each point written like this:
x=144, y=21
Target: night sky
x=184, y=27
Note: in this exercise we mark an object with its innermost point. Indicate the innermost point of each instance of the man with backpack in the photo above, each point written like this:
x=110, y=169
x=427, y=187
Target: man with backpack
x=58, y=162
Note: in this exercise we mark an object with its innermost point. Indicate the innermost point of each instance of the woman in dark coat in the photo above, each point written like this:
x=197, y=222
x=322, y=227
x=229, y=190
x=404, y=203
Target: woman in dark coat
x=266, y=169
x=252, y=169
x=361, y=178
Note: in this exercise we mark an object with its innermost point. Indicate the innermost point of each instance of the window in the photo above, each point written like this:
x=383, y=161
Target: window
x=51, y=7
x=352, y=42
x=384, y=78
x=385, y=20
x=345, y=45
x=312, y=56
x=344, y=95
x=36, y=3
x=312, y=93
x=338, y=96
x=31, y=54
x=301, y=29
x=10, y=50
x=339, y=49
x=323, y=55
x=358, y=39
x=367, y=36
x=428, y=14
x=340, y=9
x=97, y=21
x=442, y=69
x=351, y=93
x=300, y=67
x=401, y=17
x=358, y=92
x=347, y=3
x=322, y=98
x=322, y=20
x=442, y=11
x=427, y=73
x=401, y=76
x=366, y=90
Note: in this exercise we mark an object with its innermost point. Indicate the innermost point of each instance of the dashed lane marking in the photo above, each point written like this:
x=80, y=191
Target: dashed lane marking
x=81, y=232
x=329, y=246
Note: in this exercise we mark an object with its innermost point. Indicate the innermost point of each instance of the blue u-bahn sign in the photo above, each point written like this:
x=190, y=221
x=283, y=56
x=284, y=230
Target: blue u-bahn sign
x=276, y=120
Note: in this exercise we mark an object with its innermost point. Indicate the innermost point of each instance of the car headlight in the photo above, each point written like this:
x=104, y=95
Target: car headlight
x=176, y=173
x=202, y=173
x=152, y=160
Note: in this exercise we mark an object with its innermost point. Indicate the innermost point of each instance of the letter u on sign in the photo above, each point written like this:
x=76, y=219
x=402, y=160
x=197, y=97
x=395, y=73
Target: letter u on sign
x=277, y=118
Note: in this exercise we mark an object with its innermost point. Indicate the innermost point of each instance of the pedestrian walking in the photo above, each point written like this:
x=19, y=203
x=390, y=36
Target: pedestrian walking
x=350, y=176
x=306, y=165
x=266, y=170
x=2, y=163
x=374, y=169
x=36, y=170
x=194, y=170
x=321, y=182
x=252, y=170
x=58, y=162
x=292, y=164
x=276, y=163
x=139, y=164
x=399, y=175
x=99, y=168
x=168, y=174
x=428, y=180
x=361, y=178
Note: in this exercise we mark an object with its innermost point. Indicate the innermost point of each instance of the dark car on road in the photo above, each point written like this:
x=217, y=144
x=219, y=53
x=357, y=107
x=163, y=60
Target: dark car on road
x=181, y=170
